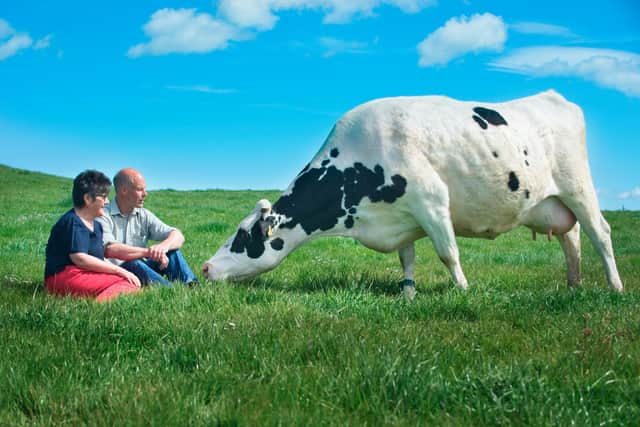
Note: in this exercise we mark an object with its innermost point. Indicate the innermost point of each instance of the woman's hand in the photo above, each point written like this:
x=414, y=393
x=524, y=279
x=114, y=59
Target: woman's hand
x=131, y=278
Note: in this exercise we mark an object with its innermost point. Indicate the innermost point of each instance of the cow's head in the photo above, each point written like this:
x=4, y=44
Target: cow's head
x=253, y=249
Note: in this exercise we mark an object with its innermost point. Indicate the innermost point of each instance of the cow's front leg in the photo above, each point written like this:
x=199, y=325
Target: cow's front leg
x=408, y=261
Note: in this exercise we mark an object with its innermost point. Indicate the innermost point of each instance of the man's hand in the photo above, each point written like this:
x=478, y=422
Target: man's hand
x=158, y=253
x=164, y=262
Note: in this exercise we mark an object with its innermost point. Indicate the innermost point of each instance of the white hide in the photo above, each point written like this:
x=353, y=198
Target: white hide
x=457, y=180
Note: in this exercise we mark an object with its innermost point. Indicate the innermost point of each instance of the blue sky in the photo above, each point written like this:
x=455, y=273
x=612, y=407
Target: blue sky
x=239, y=94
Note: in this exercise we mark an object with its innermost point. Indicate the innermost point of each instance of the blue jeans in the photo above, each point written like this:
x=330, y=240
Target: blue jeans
x=148, y=271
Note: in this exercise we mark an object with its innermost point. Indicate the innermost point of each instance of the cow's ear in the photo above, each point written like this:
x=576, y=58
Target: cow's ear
x=264, y=206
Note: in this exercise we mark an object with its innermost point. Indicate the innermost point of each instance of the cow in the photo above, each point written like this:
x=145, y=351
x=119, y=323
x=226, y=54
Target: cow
x=394, y=170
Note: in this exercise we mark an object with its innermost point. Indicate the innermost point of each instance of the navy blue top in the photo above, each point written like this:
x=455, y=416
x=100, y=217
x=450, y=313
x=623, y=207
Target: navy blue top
x=69, y=236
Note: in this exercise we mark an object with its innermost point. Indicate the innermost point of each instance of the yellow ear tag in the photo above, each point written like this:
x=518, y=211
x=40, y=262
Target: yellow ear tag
x=269, y=232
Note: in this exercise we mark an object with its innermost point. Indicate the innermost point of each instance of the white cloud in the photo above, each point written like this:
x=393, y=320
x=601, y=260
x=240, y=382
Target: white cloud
x=460, y=36
x=632, y=194
x=11, y=41
x=184, y=31
x=202, y=89
x=335, y=46
x=262, y=14
x=609, y=68
x=15, y=43
x=541, y=29
x=44, y=42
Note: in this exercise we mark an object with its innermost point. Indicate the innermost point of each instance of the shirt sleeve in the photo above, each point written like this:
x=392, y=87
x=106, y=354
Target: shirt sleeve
x=107, y=230
x=79, y=239
x=156, y=229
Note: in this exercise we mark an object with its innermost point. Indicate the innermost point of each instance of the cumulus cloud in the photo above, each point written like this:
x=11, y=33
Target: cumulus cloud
x=11, y=41
x=460, y=36
x=335, y=46
x=541, y=29
x=184, y=31
x=632, y=194
x=615, y=69
x=262, y=14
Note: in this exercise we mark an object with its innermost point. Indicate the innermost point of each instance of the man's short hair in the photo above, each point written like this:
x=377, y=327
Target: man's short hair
x=91, y=182
x=121, y=179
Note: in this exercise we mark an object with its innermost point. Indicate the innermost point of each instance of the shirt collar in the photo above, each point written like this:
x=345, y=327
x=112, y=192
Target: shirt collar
x=115, y=210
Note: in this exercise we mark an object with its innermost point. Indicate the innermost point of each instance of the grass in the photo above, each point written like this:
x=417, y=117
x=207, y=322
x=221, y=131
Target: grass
x=324, y=339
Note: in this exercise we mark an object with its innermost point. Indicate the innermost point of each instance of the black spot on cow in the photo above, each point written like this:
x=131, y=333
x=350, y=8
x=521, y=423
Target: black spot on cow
x=525, y=152
x=491, y=116
x=334, y=152
x=352, y=211
x=321, y=196
x=527, y=194
x=252, y=242
x=526, y=162
x=480, y=122
x=495, y=154
x=348, y=222
x=277, y=244
x=513, y=183
x=326, y=162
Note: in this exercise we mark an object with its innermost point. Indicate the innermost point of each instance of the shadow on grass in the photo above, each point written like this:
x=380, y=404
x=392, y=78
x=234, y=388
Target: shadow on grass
x=362, y=282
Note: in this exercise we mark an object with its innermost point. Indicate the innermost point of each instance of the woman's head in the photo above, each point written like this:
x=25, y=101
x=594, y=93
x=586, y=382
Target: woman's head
x=92, y=183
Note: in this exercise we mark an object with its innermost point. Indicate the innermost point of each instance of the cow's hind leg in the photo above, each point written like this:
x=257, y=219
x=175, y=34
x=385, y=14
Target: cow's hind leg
x=588, y=213
x=570, y=243
x=408, y=261
x=435, y=219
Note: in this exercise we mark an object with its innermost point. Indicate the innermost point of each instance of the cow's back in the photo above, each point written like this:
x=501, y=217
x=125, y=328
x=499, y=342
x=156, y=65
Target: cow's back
x=497, y=160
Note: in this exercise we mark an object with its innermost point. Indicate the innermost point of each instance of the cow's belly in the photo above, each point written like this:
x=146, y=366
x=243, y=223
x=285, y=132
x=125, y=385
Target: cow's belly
x=385, y=230
x=542, y=216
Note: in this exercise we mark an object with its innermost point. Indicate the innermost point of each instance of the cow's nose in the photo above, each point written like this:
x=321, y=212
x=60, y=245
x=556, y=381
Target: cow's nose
x=205, y=268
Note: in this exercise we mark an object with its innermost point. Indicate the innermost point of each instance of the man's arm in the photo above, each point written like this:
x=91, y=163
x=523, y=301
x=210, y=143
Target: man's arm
x=128, y=253
x=125, y=252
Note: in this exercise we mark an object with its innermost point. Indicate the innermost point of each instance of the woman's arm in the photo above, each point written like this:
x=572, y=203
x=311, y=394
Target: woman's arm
x=91, y=263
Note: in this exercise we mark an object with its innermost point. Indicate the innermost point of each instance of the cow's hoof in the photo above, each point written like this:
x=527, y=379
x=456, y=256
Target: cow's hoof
x=408, y=289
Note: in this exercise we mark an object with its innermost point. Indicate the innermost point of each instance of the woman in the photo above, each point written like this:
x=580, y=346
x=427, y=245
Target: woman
x=75, y=262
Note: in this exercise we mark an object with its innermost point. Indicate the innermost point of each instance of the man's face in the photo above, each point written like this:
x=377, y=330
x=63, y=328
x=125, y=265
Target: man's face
x=138, y=191
x=133, y=195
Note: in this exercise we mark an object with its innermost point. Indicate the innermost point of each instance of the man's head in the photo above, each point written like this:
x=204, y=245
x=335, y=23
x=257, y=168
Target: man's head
x=131, y=190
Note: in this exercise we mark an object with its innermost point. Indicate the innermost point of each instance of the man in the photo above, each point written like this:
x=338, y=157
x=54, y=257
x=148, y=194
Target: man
x=127, y=227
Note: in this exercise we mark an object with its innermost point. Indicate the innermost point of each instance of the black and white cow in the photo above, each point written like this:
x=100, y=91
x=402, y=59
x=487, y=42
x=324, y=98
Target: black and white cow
x=394, y=170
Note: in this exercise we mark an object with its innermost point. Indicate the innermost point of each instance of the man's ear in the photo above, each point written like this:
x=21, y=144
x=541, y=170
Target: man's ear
x=87, y=199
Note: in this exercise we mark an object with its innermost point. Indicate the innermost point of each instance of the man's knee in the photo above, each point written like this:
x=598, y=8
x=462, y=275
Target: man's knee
x=174, y=255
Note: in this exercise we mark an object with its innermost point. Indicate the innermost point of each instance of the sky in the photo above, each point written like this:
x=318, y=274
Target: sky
x=240, y=94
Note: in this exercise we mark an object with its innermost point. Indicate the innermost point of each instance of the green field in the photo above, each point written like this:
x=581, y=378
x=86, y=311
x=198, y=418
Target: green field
x=325, y=338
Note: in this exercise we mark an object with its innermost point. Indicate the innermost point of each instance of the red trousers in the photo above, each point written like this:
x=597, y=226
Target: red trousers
x=83, y=283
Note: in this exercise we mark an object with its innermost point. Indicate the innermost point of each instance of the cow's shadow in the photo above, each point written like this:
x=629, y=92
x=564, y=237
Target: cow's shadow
x=357, y=283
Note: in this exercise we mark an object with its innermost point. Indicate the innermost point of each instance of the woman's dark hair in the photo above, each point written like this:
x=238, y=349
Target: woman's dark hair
x=93, y=182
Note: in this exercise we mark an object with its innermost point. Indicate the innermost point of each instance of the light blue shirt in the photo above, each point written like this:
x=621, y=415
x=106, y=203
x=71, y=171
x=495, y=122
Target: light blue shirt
x=135, y=229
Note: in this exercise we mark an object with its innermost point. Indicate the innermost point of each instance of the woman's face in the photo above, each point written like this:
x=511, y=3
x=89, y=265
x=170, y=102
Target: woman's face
x=96, y=206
